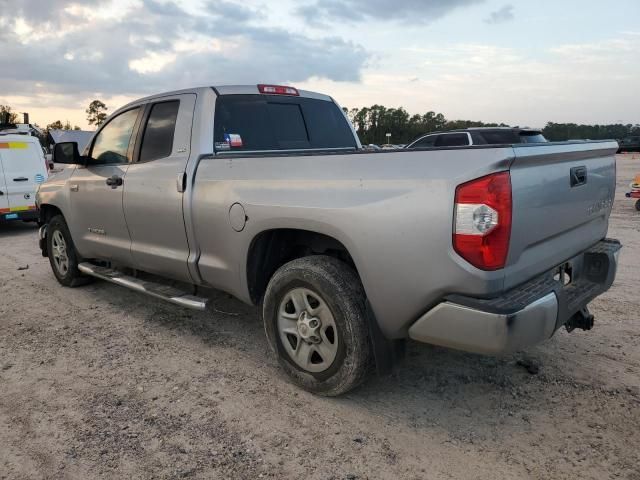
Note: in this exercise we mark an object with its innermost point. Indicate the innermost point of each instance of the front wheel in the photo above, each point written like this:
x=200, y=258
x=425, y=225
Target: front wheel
x=638, y=205
x=62, y=254
x=315, y=319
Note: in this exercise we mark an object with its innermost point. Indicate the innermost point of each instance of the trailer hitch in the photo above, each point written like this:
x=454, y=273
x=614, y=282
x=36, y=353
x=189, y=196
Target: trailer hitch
x=581, y=319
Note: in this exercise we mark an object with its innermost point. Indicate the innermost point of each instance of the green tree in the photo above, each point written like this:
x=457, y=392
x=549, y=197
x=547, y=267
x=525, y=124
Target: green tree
x=96, y=113
x=557, y=132
x=374, y=122
x=12, y=116
x=58, y=125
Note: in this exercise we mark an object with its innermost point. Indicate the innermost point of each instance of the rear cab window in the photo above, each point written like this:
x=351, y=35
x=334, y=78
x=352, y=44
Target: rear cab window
x=259, y=123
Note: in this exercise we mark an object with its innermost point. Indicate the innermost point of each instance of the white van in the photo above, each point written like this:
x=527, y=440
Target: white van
x=22, y=169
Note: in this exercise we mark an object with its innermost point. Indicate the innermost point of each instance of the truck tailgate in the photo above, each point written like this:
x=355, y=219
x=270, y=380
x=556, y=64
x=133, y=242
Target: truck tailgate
x=562, y=199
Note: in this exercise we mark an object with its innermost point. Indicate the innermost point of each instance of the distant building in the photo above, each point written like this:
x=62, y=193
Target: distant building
x=82, y=137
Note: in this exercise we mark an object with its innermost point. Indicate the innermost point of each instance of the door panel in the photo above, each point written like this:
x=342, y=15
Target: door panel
x=98, y=226
x=152, y=192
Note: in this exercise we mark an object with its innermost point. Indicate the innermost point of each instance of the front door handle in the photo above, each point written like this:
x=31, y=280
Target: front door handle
x=114, y=181
x=20, y=179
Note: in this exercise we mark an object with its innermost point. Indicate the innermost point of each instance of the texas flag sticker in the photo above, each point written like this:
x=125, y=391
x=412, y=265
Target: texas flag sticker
x=233, y=139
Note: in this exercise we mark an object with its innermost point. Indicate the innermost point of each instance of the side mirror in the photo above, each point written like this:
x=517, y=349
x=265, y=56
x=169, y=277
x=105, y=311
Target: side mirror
x=67, y=152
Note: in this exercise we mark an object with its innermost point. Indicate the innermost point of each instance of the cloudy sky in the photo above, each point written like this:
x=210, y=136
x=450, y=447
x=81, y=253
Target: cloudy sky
x=513, y=61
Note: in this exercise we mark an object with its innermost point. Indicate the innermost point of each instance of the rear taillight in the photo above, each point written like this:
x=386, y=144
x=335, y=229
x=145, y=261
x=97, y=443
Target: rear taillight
x=278, y=90
x=482, y=225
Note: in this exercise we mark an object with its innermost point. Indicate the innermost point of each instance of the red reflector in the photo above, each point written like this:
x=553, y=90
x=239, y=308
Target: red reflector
x=481, y=235
x=278, y=90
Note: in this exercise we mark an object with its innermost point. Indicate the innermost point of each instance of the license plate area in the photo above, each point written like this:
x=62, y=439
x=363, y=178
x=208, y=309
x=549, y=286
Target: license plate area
x=564, y=274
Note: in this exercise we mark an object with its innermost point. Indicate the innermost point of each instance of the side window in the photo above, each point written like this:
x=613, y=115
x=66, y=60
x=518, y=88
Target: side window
x=426, y=142
x=505, y=137
x=112, y=143
x=157, y=141
x=478, y=139
x=452, y=140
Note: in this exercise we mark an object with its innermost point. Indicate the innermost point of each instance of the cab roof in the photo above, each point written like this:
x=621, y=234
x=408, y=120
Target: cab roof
x=224, y=90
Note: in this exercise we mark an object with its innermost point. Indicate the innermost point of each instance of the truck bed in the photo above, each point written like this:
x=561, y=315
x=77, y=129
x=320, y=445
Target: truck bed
x=401, y=202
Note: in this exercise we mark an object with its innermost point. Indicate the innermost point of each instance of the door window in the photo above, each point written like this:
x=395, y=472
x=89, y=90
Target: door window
x=157, y=141
x=112, y=143
x=452, y=140
x=425, y=142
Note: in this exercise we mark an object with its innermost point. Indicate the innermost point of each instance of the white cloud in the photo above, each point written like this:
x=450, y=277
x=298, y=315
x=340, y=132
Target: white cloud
x=63, y=52
x=152, y=62
x=590, y=83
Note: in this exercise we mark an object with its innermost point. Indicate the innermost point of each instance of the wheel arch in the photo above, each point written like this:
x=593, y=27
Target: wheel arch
x=270, y=249
x=47, y=212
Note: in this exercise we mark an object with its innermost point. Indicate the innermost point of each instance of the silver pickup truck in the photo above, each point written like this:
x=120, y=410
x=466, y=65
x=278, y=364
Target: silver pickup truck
x=264, y=192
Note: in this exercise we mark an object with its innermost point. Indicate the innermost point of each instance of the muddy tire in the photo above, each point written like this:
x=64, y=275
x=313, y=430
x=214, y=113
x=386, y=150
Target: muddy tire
x=315, y=320
x=62, y=254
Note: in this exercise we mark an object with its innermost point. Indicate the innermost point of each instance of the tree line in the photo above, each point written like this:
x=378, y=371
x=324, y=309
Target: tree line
x=96, y=115
x=373, y=123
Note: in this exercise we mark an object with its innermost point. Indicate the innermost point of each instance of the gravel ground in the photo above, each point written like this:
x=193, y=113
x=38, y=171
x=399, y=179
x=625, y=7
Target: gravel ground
x=100, y=382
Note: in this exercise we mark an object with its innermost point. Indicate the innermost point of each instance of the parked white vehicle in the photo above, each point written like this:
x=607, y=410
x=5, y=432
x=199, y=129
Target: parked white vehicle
x=22, y=169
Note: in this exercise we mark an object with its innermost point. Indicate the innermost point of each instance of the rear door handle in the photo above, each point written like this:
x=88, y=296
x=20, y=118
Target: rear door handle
x=114, y=181
x=578, y=176
x=21, y=179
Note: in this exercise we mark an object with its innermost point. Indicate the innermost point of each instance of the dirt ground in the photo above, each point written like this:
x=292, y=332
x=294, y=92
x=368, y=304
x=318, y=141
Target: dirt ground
x=100, y=382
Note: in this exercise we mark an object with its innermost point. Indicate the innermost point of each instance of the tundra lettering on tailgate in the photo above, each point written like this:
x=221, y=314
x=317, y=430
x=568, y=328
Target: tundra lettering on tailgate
x=603, y=204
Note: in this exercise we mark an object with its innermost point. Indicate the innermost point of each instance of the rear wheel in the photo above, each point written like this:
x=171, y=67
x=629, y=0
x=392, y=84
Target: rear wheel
x=638, y=205
x=62, y=254
x=315, y=320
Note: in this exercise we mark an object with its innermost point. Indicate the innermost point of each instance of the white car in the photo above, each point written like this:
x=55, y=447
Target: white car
x=22, y=169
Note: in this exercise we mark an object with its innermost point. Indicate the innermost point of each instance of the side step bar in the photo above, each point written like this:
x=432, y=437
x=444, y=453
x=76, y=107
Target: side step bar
x=157, y=290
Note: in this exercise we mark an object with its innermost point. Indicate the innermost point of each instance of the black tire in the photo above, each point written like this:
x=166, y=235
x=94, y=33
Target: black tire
x=638, y=205
x=72, y=277
x=340, y=288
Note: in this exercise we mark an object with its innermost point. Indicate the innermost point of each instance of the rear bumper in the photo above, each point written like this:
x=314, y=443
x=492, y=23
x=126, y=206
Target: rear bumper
x=525, y=315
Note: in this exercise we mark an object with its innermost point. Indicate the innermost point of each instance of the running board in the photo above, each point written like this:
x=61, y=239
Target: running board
x=157, y=290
